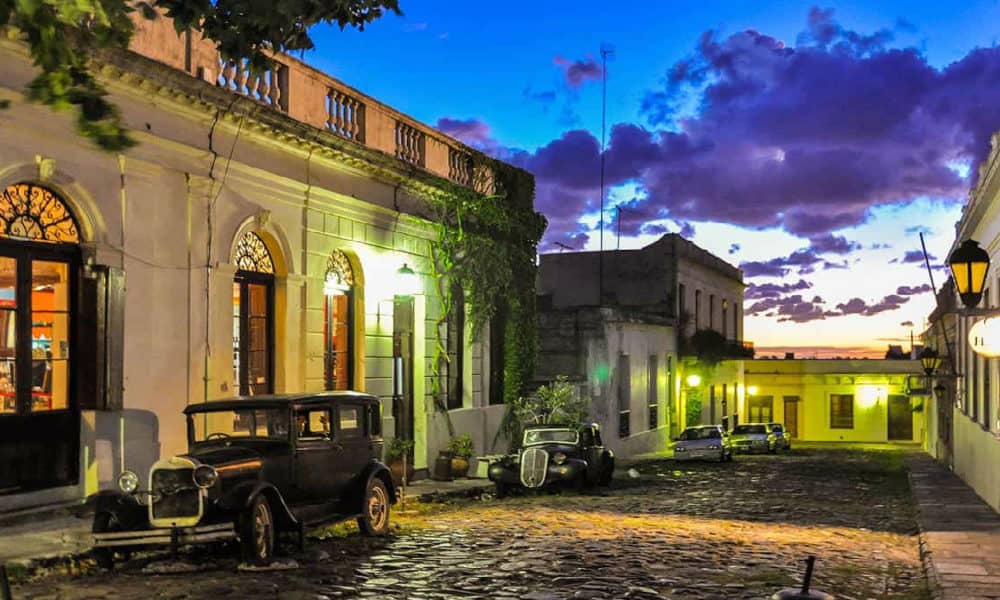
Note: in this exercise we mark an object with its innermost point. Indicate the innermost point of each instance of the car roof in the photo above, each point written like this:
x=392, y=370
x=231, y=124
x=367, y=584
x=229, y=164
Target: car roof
x=279, y=400
x=572, y=427
x=704, y=427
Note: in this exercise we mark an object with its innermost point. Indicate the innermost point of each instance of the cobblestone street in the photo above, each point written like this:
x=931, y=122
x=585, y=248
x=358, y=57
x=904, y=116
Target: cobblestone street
x=709, y=531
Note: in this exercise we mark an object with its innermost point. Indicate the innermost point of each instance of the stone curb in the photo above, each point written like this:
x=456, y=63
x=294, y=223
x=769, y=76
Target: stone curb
x=926, y=554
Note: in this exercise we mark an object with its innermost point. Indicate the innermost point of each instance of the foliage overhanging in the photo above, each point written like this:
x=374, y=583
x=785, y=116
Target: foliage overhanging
x=64, y=34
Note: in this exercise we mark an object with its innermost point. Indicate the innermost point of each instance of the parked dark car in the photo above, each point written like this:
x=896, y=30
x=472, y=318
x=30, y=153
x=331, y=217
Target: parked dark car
x=782, y=438
x=555, y=455
x=255, y=467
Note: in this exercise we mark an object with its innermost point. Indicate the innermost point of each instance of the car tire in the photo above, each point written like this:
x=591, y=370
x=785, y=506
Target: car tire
x=374, y=520
x=105, y=523
x=257, y=532
x=771, y=449
x=607, y=475
x=502, y=490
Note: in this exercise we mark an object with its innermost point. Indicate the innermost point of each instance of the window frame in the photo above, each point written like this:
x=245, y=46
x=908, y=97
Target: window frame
x=244, y=279
x=834, y=423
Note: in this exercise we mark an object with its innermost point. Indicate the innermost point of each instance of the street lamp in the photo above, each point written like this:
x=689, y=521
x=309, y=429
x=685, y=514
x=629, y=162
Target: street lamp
x=407, y=283
x=969, y=264
x=693, y=380
x=930, y=361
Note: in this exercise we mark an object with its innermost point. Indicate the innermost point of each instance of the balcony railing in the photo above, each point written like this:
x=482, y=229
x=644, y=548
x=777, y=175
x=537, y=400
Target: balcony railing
x=312, y=97
x=715, y=347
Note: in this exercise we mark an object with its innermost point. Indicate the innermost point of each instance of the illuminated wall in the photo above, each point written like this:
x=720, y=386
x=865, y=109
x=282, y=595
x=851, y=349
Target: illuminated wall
x=811, y=388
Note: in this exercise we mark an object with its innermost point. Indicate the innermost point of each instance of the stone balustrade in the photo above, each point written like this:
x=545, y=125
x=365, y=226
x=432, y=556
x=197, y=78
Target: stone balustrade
x=313, y=97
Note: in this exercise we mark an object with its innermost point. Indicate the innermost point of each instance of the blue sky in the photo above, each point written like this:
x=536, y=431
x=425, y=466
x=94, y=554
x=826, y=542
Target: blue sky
x=503, y=75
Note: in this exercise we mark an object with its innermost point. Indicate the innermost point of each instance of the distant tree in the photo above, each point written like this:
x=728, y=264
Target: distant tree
x=63, y=35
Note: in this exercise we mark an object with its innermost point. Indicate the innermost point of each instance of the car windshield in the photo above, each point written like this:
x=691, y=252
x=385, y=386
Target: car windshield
x=744, y=429
x=541, y=436
x=701, y=433
x=255, y=423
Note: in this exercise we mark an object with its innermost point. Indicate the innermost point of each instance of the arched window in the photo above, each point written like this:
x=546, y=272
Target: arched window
x=253, y=317
x=39, y=259
x=338, y=334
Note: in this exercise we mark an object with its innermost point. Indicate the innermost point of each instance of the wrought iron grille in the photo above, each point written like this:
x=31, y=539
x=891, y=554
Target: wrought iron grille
x=34, y=213
x=252, y=255
x=534, y=466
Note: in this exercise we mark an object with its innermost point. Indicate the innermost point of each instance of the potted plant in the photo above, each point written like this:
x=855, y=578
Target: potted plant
x=461, y=450
x=394, y=453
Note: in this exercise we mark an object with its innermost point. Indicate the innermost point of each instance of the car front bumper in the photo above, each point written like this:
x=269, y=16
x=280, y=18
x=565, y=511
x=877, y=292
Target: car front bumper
x=700, y=454
x=166, y=536
x=750, y=448
x=569, y=471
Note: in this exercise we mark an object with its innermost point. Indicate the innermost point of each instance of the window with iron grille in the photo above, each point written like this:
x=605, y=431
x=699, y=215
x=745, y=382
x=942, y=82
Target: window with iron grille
x=624, y=396
x=652, y=396
x=841, y=411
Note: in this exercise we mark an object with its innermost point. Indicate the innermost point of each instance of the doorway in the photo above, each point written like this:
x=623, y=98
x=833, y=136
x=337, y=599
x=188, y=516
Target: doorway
x=900, y=418
x=792, y=415
x=402, y=361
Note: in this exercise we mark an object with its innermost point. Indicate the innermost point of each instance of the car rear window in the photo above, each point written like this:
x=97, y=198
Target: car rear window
x=743, y=429
x=701, y=433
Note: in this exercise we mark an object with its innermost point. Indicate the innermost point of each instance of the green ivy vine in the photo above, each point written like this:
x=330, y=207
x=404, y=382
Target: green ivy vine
x=487, y=241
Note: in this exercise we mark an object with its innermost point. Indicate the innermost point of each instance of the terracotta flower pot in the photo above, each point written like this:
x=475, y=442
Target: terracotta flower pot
x=396, y=468
x=459, y=466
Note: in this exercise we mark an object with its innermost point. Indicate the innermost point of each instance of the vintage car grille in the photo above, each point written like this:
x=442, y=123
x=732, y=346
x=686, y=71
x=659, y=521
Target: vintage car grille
x=534, y=464
x=175, y=494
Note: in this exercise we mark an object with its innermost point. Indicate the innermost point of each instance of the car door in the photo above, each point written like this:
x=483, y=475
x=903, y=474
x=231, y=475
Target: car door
x=354, y=453
x=592, y=452
x=316, y=454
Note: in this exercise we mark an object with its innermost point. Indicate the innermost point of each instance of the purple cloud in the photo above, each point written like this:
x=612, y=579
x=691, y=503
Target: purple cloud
x=792, y=308
x=578, y=72
x=906, y=324
x=857, y=306
x=913, y=256
x=774, y=290
x=905, y=290
x=779, y=267
x=833, y=244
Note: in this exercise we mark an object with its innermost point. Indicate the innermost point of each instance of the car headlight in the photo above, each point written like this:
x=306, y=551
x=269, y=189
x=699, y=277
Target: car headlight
x=713, y=446
x=128, y=482
x=559, y=458
x=680, y=449
x=205, y=476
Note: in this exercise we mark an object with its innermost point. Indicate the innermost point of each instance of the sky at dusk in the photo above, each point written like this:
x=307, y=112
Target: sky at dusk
x=807, y=144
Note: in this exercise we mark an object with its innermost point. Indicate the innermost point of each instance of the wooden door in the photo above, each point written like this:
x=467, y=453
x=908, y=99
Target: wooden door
x=792, y=415
x=900, y=418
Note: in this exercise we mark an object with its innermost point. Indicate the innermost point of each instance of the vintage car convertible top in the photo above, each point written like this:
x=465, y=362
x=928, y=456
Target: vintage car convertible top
x=255, y=467
x=555, y=454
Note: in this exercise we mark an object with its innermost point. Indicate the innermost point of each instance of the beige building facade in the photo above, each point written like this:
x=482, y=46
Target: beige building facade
x=257, y=239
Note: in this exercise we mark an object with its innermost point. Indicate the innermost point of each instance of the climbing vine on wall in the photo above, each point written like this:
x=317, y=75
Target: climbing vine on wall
x=487, y=241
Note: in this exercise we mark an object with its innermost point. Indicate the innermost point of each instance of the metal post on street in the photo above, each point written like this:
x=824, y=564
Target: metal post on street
x=606, y=50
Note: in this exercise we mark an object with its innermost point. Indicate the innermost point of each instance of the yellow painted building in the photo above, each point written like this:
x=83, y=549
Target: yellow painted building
x=838, y=400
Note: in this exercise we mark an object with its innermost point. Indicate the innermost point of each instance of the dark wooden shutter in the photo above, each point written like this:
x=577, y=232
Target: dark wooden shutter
x=100, y=326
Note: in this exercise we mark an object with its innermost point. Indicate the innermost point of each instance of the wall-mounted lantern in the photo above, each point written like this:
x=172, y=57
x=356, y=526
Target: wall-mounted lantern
x=693, y=380
x=984, y=337
x=752, y=390
x=407, y=282
x=930, y=361
x=969, y=265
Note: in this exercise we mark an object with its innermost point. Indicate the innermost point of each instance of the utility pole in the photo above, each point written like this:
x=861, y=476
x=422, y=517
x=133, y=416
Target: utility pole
x=605, y=51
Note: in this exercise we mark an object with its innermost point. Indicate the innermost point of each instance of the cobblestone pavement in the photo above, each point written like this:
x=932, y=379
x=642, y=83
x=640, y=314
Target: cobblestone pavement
x=706, y=531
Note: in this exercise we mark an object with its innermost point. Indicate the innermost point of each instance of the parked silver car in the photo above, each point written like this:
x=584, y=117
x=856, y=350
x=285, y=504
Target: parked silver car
x=708, y=442
x=754, y=437
x=783, y=439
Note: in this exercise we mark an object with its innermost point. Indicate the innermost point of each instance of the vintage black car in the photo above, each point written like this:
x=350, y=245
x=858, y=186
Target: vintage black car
x=555, y=455
x=255, y=467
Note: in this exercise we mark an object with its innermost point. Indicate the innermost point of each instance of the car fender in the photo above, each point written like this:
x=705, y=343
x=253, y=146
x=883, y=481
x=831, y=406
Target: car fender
x=246, y=494
x=125, y=508
x=353, y=501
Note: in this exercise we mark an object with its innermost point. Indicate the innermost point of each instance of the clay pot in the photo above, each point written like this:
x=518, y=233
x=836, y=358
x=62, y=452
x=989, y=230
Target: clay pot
x=459, y=466
x=396, y=468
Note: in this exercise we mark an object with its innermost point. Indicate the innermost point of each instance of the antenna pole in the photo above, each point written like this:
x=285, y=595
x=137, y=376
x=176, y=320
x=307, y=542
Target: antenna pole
x=604, y=111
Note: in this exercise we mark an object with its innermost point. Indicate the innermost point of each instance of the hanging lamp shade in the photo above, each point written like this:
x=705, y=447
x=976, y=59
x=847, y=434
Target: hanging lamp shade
x=969, y=265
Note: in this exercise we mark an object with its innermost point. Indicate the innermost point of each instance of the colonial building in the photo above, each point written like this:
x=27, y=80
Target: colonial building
x=258, y=239
x=967, y=411
x=839, y=400
x=620, y=324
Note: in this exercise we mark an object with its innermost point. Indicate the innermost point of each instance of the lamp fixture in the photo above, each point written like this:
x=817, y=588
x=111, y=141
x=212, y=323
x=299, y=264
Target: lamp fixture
x=930, y=360
x=693, y=380
x=969, y=265
x=407, y=282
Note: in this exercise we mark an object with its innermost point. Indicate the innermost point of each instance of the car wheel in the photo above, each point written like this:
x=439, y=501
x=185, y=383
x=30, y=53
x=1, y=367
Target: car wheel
x=772, y=448
x=375, y=518
x=257, y=532
x=608, y=473
x=502, y=490
x=105, y=523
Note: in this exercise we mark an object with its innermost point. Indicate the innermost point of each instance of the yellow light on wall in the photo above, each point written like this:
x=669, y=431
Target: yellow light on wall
x=869, y=395
x=752, y=390
x=693, y=380
x=984, y=338
x=407, y=282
